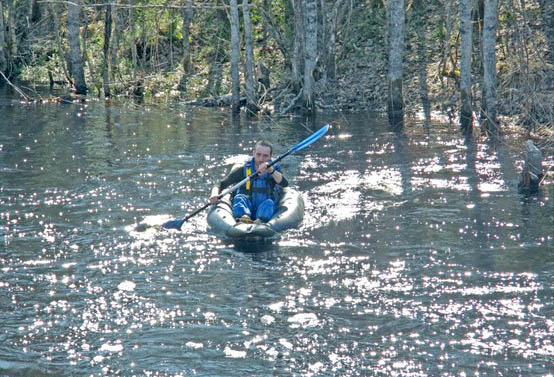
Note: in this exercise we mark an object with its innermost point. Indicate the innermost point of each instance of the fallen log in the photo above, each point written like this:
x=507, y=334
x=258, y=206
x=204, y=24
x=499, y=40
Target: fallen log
x=221, y=101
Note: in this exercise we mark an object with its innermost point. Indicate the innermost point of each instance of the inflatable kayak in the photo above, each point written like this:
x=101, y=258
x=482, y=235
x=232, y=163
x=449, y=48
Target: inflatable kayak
x=288, y=214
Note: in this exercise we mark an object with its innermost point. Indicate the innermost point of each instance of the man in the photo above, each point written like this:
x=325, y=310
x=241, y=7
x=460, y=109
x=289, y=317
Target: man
x=256, y=199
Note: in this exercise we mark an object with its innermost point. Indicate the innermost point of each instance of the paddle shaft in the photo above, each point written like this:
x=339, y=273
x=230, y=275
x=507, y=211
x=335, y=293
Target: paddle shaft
x=178, y=223
x=237, y=185
x=303, y=144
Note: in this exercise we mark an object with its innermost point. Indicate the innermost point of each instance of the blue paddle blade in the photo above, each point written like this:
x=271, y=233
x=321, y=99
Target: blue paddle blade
x=316, y=135
x=173, y=224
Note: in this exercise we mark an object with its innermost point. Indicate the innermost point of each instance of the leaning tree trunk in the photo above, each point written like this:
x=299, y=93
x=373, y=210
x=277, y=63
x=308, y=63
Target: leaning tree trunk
x=235, y=83
x=489, y=67
x=3, y=60
x=75, y=56
x=107, y=36
x=310, y=54
x=397, y=17
x=466, y=31
x=251, y=102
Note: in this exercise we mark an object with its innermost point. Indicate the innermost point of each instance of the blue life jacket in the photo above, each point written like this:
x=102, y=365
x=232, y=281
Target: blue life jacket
x=258, y=189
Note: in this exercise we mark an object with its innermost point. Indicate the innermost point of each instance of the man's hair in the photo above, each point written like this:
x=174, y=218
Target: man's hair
x=264, y=143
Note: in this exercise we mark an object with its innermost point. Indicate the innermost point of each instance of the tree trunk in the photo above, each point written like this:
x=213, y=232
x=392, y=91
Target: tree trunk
x=187, y=19
x=397, y=17
x=107, y=36
x=310, y=54
x=187, y=14
x=235, y=42
x=297, y=58
x=419, y=21
x=330, y=62
x=75, y=56
x=466, y=32
x=34, y=11
x=251, y=101
x=547, y=11
x=270, y=27
x=324, y=37
x=3, y=52
x=12, y=35
x=53, y=10
x=134, y=52
x=116, y=19
x=489, y=66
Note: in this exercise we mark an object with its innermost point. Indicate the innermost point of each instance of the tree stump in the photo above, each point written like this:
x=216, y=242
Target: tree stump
x=532, y=173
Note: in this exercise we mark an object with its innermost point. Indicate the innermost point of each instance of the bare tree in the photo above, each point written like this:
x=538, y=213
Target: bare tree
x=134, y=52
x=75, y=56
x=116, y=36
x=235, y=42
x=297, y=56
x=187, y=19
x=310, y=54
x=12, y=36
x=397, y=17
x=3, y=60
x=547, y=11
x=418, y=23
x=330, y=62
x=466, y=32
x=107, y=36
x=251, y=101
x=489, y=67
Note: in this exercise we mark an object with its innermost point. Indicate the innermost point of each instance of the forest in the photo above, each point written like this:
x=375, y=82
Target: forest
x=486, y=63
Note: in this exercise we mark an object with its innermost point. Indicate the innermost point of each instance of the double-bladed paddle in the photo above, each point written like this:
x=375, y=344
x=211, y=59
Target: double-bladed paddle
x=177, y=224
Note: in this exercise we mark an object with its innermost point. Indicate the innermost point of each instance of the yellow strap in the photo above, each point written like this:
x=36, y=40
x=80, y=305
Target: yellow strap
x=248, y=174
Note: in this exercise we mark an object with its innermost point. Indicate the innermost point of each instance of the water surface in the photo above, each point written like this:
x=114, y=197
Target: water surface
x=417, y=255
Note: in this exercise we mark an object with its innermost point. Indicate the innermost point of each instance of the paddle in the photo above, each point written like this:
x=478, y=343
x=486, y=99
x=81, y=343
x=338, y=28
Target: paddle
x=177, y=224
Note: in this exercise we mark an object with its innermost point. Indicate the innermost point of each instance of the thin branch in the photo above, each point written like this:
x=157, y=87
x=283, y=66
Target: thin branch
x=15, y=87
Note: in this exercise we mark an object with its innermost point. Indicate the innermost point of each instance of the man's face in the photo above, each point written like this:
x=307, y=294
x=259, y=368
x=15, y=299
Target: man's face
x=261, y=154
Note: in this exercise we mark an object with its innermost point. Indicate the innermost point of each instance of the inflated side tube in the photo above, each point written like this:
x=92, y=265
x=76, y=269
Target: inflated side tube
x=288, y=214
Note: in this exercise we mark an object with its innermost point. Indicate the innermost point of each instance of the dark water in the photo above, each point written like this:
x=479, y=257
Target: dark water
x=417, y=256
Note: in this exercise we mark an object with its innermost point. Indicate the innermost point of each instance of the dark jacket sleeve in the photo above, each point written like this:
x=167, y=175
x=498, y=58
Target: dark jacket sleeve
x=284, y=182
x=235, y=176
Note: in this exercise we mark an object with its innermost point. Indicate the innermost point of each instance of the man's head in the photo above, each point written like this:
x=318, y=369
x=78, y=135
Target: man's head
x=263, y=151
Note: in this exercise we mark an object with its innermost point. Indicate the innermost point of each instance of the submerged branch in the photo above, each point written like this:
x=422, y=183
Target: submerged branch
x=19, y=91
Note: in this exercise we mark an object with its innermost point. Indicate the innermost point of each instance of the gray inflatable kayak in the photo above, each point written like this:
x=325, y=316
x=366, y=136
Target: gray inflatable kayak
x=288, y=214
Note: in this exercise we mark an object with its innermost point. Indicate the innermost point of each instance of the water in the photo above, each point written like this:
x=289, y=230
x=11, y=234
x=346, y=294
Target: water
x=417, y=255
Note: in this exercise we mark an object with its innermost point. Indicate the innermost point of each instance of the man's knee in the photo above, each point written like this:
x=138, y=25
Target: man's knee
x=241, y=206
x=265, y=210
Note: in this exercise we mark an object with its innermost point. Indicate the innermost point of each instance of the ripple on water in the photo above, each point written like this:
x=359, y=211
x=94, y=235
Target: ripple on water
x=419, y=258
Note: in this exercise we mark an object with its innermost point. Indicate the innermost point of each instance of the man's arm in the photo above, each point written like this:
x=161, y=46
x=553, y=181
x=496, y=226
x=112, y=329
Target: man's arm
x=235, y=176
x=275, y=173
x=279, y=178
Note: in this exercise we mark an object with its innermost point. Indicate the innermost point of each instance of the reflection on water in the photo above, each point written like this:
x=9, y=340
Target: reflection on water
x=417, y=256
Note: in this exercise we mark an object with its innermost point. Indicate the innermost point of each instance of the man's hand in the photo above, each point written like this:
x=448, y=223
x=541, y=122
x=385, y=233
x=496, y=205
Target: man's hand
x=264, y=169
x=214, y=195
x=275, y=174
